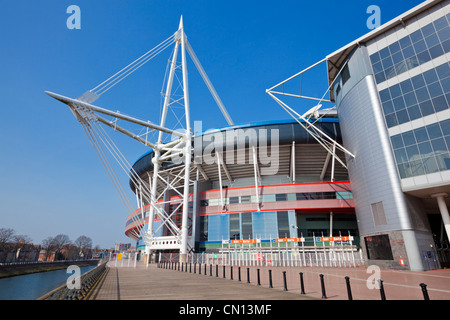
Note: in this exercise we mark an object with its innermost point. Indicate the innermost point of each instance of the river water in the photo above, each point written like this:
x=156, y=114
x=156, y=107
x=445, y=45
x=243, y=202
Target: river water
x=33, y=286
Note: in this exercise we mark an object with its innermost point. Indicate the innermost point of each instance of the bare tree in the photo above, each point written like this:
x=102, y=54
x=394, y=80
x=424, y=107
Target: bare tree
x=6, y=235
x=84, y=245
x=19, y=241
x=49, y=245
x=61, y=241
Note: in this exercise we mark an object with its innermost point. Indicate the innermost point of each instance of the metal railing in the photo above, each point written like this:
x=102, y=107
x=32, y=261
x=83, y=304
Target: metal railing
x=87, y=282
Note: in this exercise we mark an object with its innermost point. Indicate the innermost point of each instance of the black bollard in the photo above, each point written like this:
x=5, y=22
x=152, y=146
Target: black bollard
x=182, y=266
x=239, y=274
x=302, y=286
x=248, y=275
x=224, y=272
x=322, y=284
x=190, y=267
x=383, y=295
x=210, y=269
x=259, y=279
x=284, y=281
x=205, y=268
x=424, y=291
x=231, y=272
x=270, y=279
x=217, y=270
x=195, y=267
x=349, y=289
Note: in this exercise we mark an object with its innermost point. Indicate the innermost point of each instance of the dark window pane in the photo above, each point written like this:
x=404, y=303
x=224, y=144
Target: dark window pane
x=440, y=23
x=390, y=72
x=412, y=152
x=423, y=57
x=375, y=57
x=247, y=228
x=400, y=155
x=439, y=146
x=435, y=90
x=283, y=224
x=439, y=103
x=387, y=62
x=420, y=46
x=443, y=71
x=281, y=197
x=421, y=134
x=445, y=125
x=434, y=131
x=418, y=81
x=391, y=120
x=416, y=36
x=436, y=51
x=411, y=62
x=234, y=226
x=443, y=161
x=408, y=138
x=426, y=108
x=408, y=52
x=406, y=86
x=446, y=45
x=428, y=30
x=446, y=84
x=414, y=112
x=380, y=77
x=402, y=116
x=410, y=98
x=430, y=165
x=404, y=170
x=399, y=104
x=397, y=57
x=395, y=47
x=405, y=42
x=388, y=107
x=422, y=94
x=444, y=34
x=384, y=53
x=416, y=168
x=234, y=200
x=377, y=67
x=430, y=76
x=385, y=95
x=432, y=40
x=395, y=91
x=397, y=141
x=425, y=149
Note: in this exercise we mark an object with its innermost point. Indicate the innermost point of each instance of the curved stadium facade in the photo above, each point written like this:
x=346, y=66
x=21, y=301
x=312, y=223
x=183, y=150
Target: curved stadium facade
x=293, y=190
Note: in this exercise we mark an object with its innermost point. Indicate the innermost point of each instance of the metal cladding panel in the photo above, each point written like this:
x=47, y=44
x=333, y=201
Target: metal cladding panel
x=372, y=171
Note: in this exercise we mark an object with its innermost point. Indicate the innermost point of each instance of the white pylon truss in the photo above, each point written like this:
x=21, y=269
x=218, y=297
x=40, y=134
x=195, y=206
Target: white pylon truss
x=180, y=146
x=311, y=116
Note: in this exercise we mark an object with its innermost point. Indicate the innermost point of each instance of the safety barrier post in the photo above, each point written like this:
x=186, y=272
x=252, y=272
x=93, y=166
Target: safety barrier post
x=424, y=291
x=383, y=295
x=248, y=275
x=259, y=279
x=349, y=289
x=284, y=281
x=270, y=279
x=322, y=284
x=302, y=287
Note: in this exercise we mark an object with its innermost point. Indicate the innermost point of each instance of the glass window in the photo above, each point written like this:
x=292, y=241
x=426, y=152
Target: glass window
x=409, y=52
x=291, y=197
x=445, y=125
x=387, y=62
x=345, y=74
x=423, y=57
x=234, y=200
x=245, y=199
x=430, y=165
x=408, y=138
x=439, y=103
x=391, y=120
x=426, y=108
x=413, y=152
x=234, y=226
x=400, y=155
x=377, y=67
x=302, y=196
x=268, y=197
x=395, y=91
x=203, y=228
x=393, y=48
x=388, y=107
x=406, y=86
x=428, y=30
x=422, y=94
x=418, y=81
x=430, y=76
x=420, y=46
x=402, y=116
x=410, y=98
x=247, y=229
x=399, y=103
x=421, y=134
x=416, y=168
x=434, y=131
x=404, y=170
x=416, y=36
x=374, y=57
x=443, y=71
x=397, y=141
x=283, y=224
x=425, y=149
x=436, y=51
x=384, y=53
x=439, y=146
x=281, y=197
x=440, y=23
x=432, y=40
x=443, y=161
x=435, y=90
x=378, y=247
x=405, y=42
x=385, y=95
x=379, y=77
x=444, y=34
x=414, y=112
x=397, y=57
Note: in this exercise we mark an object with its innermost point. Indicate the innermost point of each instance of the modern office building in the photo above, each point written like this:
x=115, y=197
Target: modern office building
x=393, y=97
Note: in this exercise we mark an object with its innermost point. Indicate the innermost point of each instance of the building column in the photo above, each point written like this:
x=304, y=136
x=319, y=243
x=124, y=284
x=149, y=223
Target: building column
x=440, y=197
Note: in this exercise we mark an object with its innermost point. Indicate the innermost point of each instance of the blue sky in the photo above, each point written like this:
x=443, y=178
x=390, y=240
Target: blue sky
x=51, y=180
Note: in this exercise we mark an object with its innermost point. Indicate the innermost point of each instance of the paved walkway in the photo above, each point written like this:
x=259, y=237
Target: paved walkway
x=152, y=283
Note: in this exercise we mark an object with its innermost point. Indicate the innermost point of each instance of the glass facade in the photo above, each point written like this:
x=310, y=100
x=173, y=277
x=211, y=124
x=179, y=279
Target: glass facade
x=414, y=98
x=429, y=42
x=423, y=150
